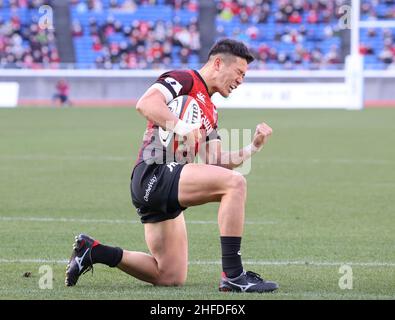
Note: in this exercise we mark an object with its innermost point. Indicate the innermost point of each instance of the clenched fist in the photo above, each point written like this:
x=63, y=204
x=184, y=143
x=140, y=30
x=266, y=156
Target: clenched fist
x=262, y=134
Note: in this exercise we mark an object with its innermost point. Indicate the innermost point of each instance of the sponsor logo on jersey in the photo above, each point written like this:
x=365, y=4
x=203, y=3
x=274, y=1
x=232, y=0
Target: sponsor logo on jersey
x=207, y=124
x=200, y=96
x=172, y=165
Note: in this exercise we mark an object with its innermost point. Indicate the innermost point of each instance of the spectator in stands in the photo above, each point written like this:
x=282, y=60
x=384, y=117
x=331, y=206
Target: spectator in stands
x=292, y=36
x=280, y=17
x=261, y=13
x=372, y=32
x=95, y=5
x=252, y=32
x=283, y=58
x=312, y=17
x=61, y=97
x=295, y=17
x=96, y=45
x=387, y=54
x=244, y=16
x=81, y=7
x=94, y=29
x=113, y=4
x=180, y=4
x=129, y=6
x=333, y=56
x=366, y=49
x=366, y=7
x=316, y=58
x=387, y=34
x=76, y=29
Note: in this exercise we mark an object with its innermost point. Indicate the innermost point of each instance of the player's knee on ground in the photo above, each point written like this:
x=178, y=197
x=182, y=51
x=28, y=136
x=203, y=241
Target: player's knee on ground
x=168, y=278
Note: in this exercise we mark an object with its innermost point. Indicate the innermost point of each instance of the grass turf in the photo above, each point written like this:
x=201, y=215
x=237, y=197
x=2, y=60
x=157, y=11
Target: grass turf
x=321, y=194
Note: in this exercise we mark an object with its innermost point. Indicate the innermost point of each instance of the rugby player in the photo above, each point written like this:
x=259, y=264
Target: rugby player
x=163, y=187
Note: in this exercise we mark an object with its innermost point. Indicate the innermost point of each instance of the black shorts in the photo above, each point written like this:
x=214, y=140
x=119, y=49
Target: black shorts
x=154, y=189
x=63, y=98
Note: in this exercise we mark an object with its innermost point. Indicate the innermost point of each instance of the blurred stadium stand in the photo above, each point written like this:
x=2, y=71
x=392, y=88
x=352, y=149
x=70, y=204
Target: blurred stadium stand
x=23, y=44
x=298, y=40
x=285, y=34
x=152, y=34
x=135, y=34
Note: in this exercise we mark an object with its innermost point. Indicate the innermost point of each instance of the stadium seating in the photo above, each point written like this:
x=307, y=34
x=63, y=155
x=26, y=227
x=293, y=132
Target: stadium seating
x=284, y=34
x=378, y=44
x=125, y=34
x=378, y=47
x=23, y=44
x=129, y=34
x=377, y=10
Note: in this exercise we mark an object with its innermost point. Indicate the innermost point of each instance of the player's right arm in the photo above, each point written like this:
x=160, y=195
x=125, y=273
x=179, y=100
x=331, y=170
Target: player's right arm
x=152, y=105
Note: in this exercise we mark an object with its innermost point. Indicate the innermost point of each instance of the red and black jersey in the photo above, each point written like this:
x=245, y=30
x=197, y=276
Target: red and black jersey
x=173, y=84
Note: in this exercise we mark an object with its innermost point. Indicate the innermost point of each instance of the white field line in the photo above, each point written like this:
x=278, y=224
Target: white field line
x=346, y=161
x=218, y=262
x=45, y=157
x=176, y=292
x=38, y=261
x=301, y=263
x=116, y=221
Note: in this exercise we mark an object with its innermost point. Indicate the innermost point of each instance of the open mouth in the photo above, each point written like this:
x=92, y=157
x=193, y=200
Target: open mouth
x=232, y=87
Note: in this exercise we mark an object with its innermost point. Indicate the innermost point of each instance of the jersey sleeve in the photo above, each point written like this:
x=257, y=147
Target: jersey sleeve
x=173, y=84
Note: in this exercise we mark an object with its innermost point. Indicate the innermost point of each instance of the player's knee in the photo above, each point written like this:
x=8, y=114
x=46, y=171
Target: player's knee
x=178, y=281
x=238, y=183
x=171, y=279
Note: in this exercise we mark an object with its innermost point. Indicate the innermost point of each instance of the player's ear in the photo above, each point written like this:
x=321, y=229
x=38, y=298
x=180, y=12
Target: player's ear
x=218, y=63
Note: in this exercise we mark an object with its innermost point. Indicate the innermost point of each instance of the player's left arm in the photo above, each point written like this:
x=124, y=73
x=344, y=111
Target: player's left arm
x=215, y=155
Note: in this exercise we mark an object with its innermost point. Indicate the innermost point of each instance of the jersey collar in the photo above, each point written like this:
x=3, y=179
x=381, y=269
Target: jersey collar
x=200, y=77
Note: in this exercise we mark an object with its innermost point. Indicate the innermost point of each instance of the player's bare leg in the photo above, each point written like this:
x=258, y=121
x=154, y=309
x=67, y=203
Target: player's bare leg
x=168, y=262
x=200, y=183
x=167, y=240
x=166, y=265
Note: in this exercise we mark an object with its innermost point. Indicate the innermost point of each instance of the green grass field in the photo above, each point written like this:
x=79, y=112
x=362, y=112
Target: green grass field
x=320, y=195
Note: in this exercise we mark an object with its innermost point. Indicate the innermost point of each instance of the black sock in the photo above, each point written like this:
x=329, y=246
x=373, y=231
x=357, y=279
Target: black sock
x=110, y=256
x=231, y=258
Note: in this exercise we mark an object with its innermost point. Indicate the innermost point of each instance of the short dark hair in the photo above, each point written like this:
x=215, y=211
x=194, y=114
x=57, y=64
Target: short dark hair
x=232, y=47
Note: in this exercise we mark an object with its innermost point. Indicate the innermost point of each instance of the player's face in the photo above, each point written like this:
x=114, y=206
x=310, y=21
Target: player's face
x=231, y=75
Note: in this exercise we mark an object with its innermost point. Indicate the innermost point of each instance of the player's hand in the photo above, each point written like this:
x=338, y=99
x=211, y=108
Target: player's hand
x=262, y=134
x=187, y=145
x=192, y=137
x=184, y=129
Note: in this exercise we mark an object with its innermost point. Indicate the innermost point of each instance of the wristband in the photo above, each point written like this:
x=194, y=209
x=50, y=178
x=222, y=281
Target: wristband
x=251, y=148
x=182, y=128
